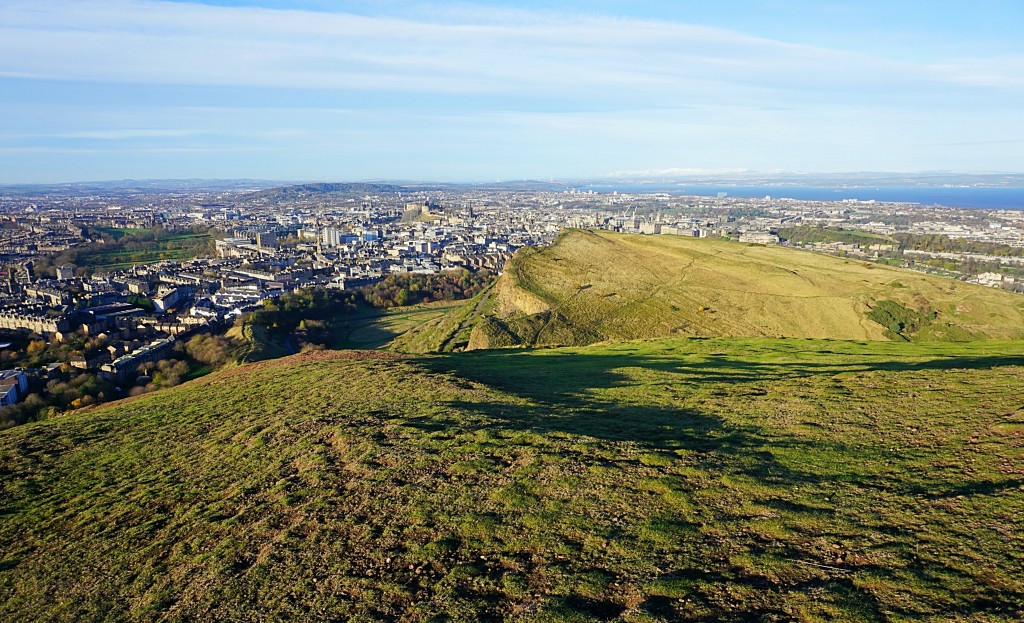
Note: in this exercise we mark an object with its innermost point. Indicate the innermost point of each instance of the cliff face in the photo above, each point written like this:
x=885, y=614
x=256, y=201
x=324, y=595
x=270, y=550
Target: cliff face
x=511, y=298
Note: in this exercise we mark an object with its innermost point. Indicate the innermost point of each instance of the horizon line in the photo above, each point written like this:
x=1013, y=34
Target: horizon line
x=664, y=175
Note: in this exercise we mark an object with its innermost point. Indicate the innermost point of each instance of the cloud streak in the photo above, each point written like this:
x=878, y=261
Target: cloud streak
x=488, y=92
x=150, y=42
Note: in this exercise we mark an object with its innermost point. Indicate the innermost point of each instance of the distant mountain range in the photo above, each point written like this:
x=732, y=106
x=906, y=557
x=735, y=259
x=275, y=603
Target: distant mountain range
x=299, y=191
x=268, y=188
x=137, y=186
x=932, y=179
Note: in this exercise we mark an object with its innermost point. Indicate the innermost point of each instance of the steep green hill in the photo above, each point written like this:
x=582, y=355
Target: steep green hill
x=672, y=480
x=595, y=286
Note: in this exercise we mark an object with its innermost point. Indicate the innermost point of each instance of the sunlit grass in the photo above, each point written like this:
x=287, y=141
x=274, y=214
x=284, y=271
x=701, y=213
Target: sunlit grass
x=645, y=481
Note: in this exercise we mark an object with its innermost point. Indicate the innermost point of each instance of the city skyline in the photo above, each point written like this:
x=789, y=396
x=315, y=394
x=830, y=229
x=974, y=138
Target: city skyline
x=486, y=90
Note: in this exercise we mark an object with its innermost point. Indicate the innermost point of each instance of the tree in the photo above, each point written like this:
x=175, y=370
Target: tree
x=402, y=297
x=35, y=348
x=212, y=350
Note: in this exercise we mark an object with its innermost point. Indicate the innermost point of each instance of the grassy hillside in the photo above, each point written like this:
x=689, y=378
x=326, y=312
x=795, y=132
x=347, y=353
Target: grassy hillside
x=595, y=286
x=377, y=328
x=365, y=328
x=256, y=344
x=701, y=480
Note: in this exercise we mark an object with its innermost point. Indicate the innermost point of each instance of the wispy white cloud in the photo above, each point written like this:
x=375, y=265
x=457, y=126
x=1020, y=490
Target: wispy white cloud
x=1019, y=141
x=104, y=151
x=487, y=92
x=677, y=172
x=1002, y=71
x=118, y=134
x=477, y=51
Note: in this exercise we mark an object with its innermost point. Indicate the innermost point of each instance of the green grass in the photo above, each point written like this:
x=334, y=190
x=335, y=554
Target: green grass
x=678, y=479
x=198, y=372
x=366, y=329
x=596, y=286
x=169, y=246
x=375, y=328
x=120, y=232
x=257, y=343
x=809, y=234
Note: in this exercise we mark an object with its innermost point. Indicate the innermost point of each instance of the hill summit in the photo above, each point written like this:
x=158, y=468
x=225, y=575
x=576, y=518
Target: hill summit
x=596, y=286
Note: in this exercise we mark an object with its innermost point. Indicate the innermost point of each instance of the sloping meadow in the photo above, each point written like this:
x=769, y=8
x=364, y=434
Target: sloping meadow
x=645, y=481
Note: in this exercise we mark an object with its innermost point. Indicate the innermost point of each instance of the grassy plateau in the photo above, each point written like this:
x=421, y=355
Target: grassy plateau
x=667, y=480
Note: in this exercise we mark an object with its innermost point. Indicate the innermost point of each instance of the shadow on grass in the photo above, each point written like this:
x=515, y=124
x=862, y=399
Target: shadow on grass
x=371, y=328
x=967, y=489
x=559, y=395
x=541, y=374
x=361, y=331
x=746, y=371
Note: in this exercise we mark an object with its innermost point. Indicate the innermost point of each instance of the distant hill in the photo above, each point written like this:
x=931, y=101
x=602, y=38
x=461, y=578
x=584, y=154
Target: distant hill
x=299, y=191
x=521, y=186
x=353, y=187
x=360, y=189
x=155, y=187
x=595, y=286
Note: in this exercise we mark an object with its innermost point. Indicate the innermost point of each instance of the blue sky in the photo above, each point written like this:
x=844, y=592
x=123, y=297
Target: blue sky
x=319, y=90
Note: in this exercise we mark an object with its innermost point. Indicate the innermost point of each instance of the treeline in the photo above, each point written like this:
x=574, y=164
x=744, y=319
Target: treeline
x=306, y=313
x=937, y=243
x=313, y=305
x=284, y=314
x=67, y=387
x=944, y=244
x=812, y=235
x=412, y=289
